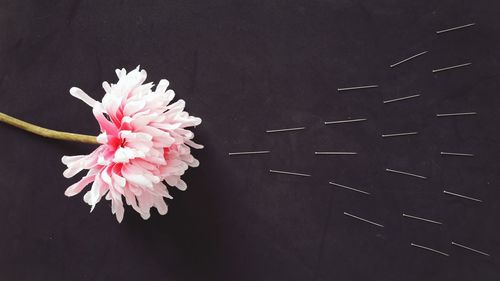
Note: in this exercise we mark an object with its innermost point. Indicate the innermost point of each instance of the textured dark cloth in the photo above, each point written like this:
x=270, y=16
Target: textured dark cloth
x=244, y=67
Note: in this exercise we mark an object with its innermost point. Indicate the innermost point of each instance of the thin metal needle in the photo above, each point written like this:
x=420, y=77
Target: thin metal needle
x=455, y=28
x=345, y=121
x=469, y=248
x=350, y=188
x=289, y=173
x=462, y=196
x=429, y=249
x=400, y=134
x=285, y=130
x=422, y=219
x=455, y=114
x=451, y=67
x=402, y=98
x=357, y=88
x=334, y=153
x=407, y=59
x=362, y=219
x=405, y=173
x=457, y=154
x=249, y=152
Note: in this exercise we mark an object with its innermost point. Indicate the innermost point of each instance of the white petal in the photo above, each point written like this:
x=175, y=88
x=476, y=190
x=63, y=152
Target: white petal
x=194, y=163
x=102, y=138
x=68, y=160
x=117, y=208
x=181, y=185
x=120, y=72
x=120, y=181
x=133, y=106
x=93, y=196
x=193, y=144
x=162, y=86
x=71, y=171
x=122, y=155
x=170, y=96
x=131, y=174
x=139, y=180
x=79, y=94
x=161, y=206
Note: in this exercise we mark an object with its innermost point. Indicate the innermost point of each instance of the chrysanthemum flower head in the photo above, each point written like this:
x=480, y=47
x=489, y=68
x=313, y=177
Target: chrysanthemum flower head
x=144, y=144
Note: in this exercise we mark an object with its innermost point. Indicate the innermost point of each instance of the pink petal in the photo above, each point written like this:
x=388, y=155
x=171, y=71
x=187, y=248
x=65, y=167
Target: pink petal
x=161, y=206
x=76, y=188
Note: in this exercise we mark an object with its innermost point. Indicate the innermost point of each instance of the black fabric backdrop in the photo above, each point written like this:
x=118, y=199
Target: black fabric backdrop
x=244, y=67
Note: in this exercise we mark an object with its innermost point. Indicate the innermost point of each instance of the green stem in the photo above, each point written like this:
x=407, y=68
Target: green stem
x=58, y=135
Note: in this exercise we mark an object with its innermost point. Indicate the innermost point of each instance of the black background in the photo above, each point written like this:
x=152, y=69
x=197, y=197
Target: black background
x=244, y=67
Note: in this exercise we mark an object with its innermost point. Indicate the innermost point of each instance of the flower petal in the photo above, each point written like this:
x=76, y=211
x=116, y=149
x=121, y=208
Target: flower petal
x=76, y=188
x=79, y=94
x=145, y=141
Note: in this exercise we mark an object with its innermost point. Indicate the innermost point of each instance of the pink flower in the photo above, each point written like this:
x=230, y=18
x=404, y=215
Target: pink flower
x=144, y=142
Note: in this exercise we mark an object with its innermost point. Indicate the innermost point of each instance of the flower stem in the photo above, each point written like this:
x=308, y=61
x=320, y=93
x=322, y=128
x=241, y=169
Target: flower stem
x=58, y=135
